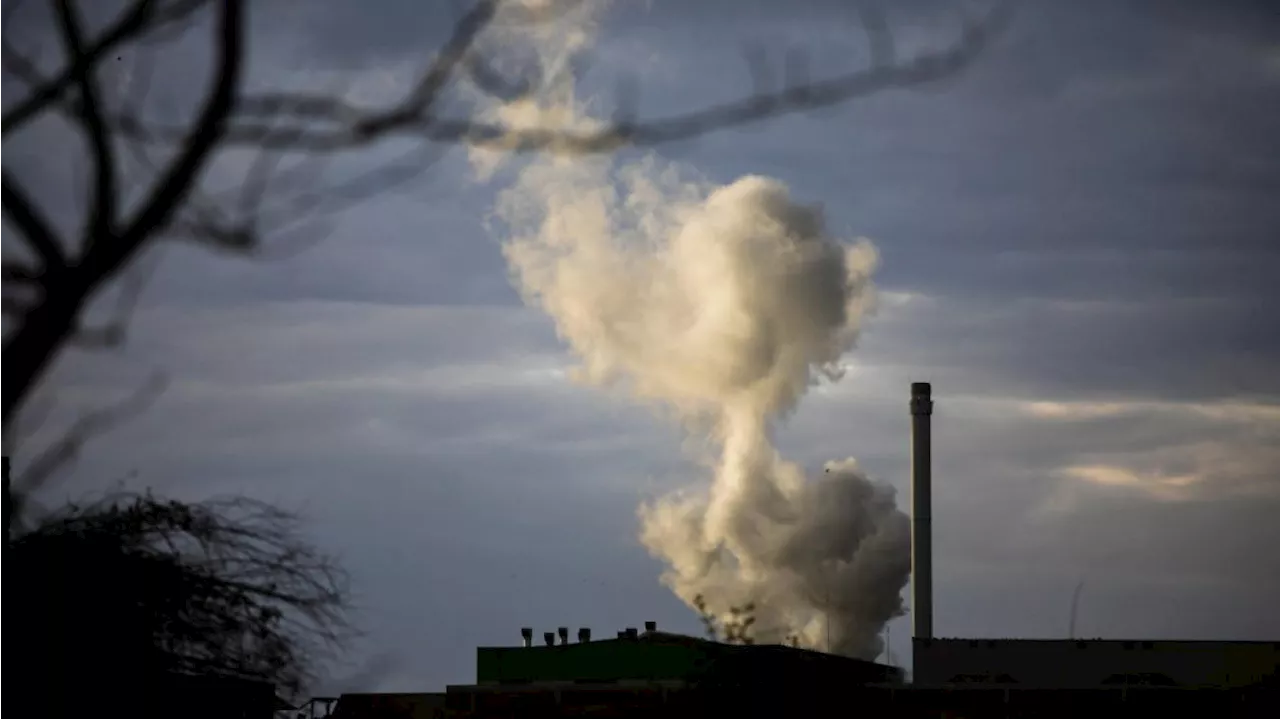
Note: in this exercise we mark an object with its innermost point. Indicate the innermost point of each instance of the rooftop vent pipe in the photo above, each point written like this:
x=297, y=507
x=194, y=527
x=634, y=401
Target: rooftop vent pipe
x=584, y=635
x=549, y=638
x=632, y=633
x=921, y=516
x=526, y=634
x=650, y=627
x=564, y=634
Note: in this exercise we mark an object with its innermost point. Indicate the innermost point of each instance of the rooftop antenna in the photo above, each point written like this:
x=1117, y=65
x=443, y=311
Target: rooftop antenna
x=1075, y=604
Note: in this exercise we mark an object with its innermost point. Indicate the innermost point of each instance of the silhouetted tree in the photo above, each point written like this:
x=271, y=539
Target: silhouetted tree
x=104, y=600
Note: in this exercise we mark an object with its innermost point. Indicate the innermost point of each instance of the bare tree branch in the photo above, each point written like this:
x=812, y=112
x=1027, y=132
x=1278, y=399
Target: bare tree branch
x=15, y=62
x=145, y=16
x=29, y=350
x=21, y=210
x=14, y=272
x=884, y=53
x=172, y=187
x=101, y=221
x=327, y=124
x=66, y=448
x=111, y=333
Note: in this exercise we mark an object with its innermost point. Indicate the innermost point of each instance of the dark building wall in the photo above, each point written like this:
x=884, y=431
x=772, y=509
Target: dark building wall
x=418, y=705
x=601, y=661
x=206, y=697
x=666, y=657
x=1090, y=663
x=774, y=700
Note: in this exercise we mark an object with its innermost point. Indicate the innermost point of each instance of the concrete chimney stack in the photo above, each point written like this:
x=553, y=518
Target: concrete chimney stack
x=564, y=634
x=921, y=516
x=584, y=635
x=526, y=634
x=549, y=638
x=650, y=627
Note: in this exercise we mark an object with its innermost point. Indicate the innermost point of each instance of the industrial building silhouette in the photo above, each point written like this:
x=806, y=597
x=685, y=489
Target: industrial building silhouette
x=653, y=673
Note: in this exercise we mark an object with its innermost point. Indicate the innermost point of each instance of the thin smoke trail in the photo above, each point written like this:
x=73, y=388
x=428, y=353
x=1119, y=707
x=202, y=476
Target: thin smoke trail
x=721, y=306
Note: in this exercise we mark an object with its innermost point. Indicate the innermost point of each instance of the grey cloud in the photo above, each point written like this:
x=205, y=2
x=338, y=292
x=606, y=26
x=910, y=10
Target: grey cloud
x=1026, y=603
x=1177, y=349
x=1137, y=170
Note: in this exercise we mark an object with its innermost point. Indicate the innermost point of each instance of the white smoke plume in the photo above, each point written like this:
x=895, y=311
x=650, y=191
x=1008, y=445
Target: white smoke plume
x=721, y=305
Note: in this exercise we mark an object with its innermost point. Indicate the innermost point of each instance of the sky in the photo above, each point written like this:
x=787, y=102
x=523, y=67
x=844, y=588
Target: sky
x=1077, y=240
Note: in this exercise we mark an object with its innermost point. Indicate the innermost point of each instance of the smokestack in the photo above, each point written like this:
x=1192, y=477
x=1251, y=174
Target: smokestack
x=584, y=635
x=549, y=638
x=921, y=516
x=564, y=634
x=526, y=633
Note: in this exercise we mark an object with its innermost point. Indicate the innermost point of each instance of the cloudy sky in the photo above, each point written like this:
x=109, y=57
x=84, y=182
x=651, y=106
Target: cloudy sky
x=1077, y=248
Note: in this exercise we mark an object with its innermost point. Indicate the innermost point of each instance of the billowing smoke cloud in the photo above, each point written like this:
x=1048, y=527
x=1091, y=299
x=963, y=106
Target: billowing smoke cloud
x=721, y=305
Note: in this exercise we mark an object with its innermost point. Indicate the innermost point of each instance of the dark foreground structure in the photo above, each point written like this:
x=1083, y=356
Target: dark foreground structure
x=657, y=674
x=1096, y=663
x=635, y=674
x=205, y=697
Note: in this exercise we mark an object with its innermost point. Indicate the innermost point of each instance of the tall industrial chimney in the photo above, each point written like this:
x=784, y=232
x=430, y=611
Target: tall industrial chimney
x=921, y=529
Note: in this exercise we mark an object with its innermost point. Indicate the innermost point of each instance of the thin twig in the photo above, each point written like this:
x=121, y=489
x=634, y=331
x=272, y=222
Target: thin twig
x=142, y=18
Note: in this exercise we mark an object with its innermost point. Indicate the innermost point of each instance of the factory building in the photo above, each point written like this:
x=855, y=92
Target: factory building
x=1090, y=663
x=653, y=673
x=1026, y=666
x=636, y=672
